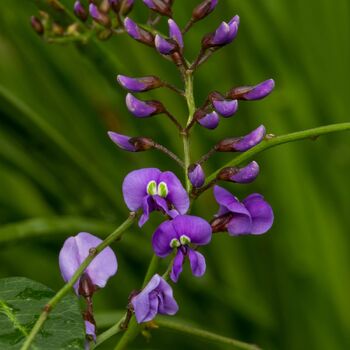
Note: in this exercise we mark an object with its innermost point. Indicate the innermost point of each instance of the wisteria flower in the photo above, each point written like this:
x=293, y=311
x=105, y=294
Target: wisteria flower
x=76, y=249
x=150, y=189
x=251, y=216
x=155, y=298
x=183, y=233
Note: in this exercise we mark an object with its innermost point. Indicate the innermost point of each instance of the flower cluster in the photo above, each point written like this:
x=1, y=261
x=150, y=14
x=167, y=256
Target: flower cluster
x=148, y=190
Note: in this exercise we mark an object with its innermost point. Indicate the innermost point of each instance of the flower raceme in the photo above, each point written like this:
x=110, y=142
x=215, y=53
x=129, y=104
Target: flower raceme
x=251, y=216
x=156, y=298
x=183, y=234
x=150, y=189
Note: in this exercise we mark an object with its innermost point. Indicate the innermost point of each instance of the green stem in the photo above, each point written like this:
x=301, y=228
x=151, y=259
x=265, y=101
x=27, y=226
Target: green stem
x=278, y=140
x=115, y=329
x=69, y=285
x=205, y=335
x=188, y=77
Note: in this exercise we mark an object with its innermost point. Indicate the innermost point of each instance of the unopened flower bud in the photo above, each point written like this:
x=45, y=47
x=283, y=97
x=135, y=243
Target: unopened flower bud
x=175, y=33
x=98, y=16
x=227, y=108
x=37, y=25
x=138, y=33
x=115, y=5
x=256, y=92
x=243, y=175
x=165, y=46
x=143, y=109
x=196, y=175
x=203, y=9
x=224, y=35
x=244, y=143
x=80, y=11
x=131, y=144
x=163, y=7
x=139, y=84
x=208, y=120
x=126, y=7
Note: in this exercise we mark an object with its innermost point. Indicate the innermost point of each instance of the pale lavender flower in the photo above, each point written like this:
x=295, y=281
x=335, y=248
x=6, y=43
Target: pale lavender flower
x=243, y=175
x=139, y=84
x=143, y=109
x=250, y=93
x=226, y=108
x=156, y=298
x=209, y=120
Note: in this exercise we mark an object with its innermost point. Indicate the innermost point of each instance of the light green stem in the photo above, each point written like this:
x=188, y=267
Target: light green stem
x=311, y=134
x=69, y=285
x=188, y=77
x=205, y=335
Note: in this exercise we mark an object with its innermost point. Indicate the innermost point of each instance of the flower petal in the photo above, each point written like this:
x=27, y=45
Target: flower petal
x=143, y=307
x=197, y=262
x=261, y=213
x=240, y=225
x=226, y=199
x=121, y=141
x=196, y=228
x=168, y=305
x=162, y=237
x=226, y=108
x=177, y=195
x=210, y=120
x=90, y=329
x=135, y=186
x=177, y=266
x=147, y=208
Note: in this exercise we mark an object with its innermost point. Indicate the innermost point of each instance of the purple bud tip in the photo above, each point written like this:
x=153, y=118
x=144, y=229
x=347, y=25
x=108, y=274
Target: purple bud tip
x=94, y=12
x=226, y=108
x=139, y=108
x=131, y=84
x=175, y=33
x=161, y=6
x=210, y=120
x=240, y=175
x=196, y=175
x=260, y=91
x=252, y=139
x=37, y=25
x=247, y=174
x=224, y=35
x=204, y=9
x=122, y=141
x=79, y=11
x=163, y=46
x=132, y=28
x=150, y=4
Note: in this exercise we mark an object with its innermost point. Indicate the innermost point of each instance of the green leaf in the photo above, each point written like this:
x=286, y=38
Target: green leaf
x=21, y=301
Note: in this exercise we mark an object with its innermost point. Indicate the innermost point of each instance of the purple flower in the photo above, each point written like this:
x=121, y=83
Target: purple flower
x=227, y=108
x=73, y=253
x=156, y=298
x=196, y=175
x=143, y=109
x=99, y=16
x=161, y=6
x=80, y=11
x=243, y=175
x=175, y=33
x=131, y=144
x=90, y=329
x=204, y=9
x=139, y=84
x=224, y=35
x=150, y=189
x=244, y=143
x=210, y=120
x=181, y=233
x=253, y=216
x=138, y=33
x=256, y=92
x=165, y=46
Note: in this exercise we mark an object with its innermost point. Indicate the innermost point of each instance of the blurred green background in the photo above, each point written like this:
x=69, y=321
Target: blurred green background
x=60, y=174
